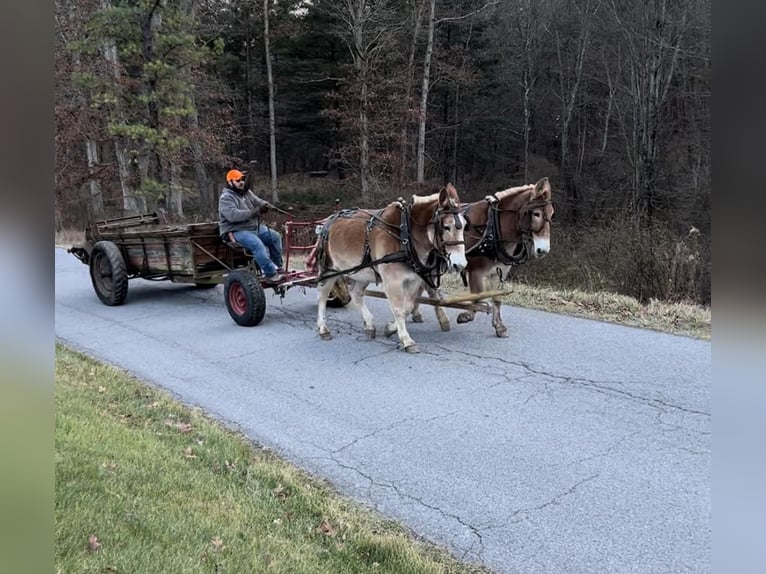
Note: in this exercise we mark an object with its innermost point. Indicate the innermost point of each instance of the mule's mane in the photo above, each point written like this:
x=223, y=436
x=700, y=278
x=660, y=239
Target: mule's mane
x=514, y=191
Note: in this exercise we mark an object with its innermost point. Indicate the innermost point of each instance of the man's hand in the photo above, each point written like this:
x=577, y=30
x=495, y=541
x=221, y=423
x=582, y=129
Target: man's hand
x=264, y=208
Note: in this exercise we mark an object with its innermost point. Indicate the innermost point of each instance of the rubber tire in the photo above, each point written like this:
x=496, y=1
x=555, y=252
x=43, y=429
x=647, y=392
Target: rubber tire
x=339, y=296
x=244, y=298
x=108, y=273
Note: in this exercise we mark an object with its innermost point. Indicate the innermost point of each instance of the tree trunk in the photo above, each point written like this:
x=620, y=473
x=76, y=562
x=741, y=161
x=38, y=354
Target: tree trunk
x=176, y=198
x=420, y=177
x=150, y=160
x=569, y=91
x=272, y=122
x=130, y=201
x=418, y=17
x=528, y=81
x=189, y=10
x=360, y=61
x=96, y=196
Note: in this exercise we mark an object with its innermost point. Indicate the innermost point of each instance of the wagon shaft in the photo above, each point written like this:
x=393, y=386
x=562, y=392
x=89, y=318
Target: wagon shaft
x=465, y=302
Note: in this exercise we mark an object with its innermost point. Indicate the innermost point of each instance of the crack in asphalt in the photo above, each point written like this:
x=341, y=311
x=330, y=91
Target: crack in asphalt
x=553, y=501
x=597, y=386
x=404, y=495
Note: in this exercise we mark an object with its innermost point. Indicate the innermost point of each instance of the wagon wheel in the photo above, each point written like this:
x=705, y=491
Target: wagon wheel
x=108, y=273
x=339, y=296
x=244, y=298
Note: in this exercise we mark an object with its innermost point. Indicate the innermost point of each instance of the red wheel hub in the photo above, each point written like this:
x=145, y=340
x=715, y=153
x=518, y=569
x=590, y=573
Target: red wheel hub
x=237, y=298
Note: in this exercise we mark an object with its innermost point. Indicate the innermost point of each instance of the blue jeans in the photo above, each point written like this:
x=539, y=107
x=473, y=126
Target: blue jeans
x=266, y=246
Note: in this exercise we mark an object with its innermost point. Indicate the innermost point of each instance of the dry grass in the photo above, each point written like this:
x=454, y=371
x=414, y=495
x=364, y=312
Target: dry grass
x=69, y=237
x=677, y=318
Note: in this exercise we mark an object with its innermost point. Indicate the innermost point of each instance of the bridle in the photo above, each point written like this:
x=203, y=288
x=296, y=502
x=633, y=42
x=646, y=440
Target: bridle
x=492, y=244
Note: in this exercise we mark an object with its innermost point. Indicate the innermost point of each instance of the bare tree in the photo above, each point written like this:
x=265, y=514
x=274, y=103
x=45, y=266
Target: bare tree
x=272, y=122
x=653, y=35
x=420, y=171
x=570, y=74
x=417, y=18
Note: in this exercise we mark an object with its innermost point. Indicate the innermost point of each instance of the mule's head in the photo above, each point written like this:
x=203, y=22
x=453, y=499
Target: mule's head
x=536, y=217
x=525, y=214
x=449, y=226
x=446, y=225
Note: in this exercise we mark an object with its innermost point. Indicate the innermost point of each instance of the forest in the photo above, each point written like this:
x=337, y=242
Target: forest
x=369, y=100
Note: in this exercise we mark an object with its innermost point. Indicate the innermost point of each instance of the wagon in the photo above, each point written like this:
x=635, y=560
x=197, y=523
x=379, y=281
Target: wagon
x=144, y=246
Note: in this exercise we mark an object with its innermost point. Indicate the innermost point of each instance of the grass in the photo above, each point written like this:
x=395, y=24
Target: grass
x=686, y=319
x=144, y=484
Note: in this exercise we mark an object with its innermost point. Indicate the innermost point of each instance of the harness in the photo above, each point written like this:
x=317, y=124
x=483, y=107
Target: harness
x=492, y=244
x=437, y=261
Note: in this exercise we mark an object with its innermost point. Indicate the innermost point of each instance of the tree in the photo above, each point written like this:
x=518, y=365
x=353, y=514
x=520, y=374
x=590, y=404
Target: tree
x=272, y=128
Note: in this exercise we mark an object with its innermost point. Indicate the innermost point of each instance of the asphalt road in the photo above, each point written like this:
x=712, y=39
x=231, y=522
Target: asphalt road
x=572, y=446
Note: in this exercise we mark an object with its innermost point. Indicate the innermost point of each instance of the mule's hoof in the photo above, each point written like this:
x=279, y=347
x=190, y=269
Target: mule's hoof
x=417, y=318
x=370, y=333
x=389, y=330
x=412, y=349
x=464, y=317
x=444, y=326
x=325, y=336
x=502, y=333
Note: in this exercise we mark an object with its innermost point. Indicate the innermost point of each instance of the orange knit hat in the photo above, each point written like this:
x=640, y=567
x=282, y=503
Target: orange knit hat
x=234, y=174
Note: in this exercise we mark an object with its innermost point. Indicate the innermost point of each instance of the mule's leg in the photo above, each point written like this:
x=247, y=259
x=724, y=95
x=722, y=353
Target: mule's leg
x=476, y=284
x=323, y=292
x=441, y=316
x=497, y=321
x=357, y=299
x=417, y=314
x=401, y=296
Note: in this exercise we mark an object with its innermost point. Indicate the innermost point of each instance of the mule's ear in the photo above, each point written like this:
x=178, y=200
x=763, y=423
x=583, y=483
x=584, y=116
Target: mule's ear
x=543, y=189
x=449, y=196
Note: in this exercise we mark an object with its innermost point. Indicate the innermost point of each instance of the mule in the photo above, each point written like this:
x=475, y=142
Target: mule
x=402, y=246
x=503, y=230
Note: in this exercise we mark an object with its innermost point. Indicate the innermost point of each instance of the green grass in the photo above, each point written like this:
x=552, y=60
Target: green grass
x=144, y=484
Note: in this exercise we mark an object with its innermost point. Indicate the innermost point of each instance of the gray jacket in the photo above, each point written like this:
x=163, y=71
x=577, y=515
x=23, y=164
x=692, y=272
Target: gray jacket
x=238, y=212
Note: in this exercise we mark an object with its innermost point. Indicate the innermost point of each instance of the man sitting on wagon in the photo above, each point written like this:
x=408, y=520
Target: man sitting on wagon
x=239, y=210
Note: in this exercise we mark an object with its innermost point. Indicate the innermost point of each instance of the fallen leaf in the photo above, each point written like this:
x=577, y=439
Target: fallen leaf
x=153, y=405
x=279, y=492
x=111, y=465
x=93, y=543
x=188, y=453
x=327, y=529
x=277, y=521
x=217, y=543
x=101, y=389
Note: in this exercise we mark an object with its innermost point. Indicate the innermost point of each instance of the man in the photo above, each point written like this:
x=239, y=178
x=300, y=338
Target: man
x=239, y=210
